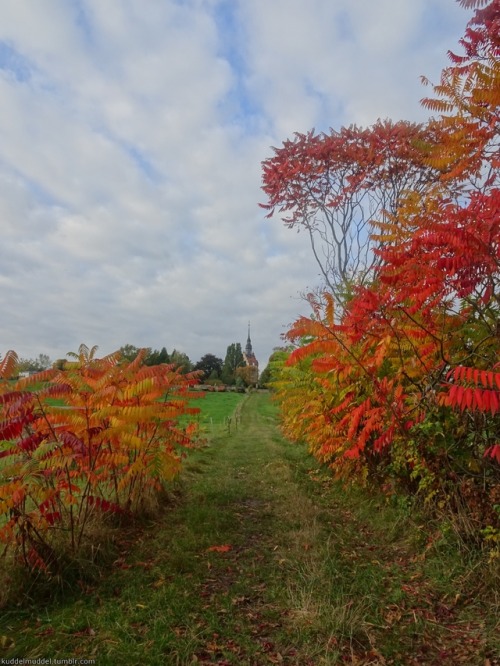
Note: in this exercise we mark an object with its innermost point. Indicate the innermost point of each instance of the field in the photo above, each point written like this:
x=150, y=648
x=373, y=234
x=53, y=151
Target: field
x=258, y=558
x=216, y=408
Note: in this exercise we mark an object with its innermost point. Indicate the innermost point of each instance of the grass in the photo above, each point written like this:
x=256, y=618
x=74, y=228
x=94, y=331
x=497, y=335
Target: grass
x=216, y=408
x=259, y=559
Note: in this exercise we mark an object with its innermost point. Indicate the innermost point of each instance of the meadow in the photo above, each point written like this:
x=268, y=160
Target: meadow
x=258, y=558
x=215, y=410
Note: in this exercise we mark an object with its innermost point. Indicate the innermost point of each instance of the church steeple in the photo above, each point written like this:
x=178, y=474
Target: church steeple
x=248, y=348
x=248, y=354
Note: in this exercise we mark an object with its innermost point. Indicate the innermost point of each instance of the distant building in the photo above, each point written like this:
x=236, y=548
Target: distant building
x=248, y=354
x=250, y=373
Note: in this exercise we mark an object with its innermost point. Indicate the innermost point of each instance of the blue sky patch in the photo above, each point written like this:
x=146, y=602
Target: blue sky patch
x=241, y=104
x=13, y=62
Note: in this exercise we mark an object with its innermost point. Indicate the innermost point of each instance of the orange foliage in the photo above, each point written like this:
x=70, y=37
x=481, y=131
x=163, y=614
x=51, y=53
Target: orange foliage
x=403, y=379
x=108, y=445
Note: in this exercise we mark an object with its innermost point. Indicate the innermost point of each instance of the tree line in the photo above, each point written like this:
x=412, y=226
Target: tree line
x=231, y=371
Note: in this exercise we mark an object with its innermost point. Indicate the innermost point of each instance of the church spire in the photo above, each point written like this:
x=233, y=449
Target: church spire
x=248, y=347
x=248, y=354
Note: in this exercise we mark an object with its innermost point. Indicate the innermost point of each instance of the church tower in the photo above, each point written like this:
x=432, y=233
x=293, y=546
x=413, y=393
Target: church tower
x=248, y=354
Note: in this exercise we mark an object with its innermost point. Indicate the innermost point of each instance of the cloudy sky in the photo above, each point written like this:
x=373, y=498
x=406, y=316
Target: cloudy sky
x=131, y=139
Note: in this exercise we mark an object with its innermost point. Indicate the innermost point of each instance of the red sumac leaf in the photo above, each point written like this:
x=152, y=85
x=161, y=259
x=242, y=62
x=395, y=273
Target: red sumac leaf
x=484, y=378
x=52, y=518
x=104, y=505
x=12, y=396
x=494, y=402
x=11, y=429
x=493, y=452
x=73, y=441
x=469, y=397
x=30, y=443
x=352, y=453
x=18, y=496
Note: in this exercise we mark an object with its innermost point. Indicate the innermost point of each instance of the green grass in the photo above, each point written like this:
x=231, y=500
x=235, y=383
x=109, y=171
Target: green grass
x=215, y=409
x=313, y=575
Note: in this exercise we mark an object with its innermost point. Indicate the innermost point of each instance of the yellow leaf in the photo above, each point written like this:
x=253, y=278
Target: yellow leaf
x=6, y=642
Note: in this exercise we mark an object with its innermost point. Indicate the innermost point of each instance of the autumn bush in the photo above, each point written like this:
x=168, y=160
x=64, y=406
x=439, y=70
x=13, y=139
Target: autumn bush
x=395, y=378
x=106, y=452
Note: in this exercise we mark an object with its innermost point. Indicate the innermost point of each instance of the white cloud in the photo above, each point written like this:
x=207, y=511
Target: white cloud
x=311, y=63
x=131, y=140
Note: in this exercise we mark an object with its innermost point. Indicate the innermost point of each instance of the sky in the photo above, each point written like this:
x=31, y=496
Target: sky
x=131, y=139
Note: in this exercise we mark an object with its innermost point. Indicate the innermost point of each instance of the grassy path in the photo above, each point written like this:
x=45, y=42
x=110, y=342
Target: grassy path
x=262, y=560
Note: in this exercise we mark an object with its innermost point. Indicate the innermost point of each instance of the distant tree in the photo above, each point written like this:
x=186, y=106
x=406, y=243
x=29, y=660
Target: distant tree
x=181, y=360
x=265, y=376
x=163, y=357
x=59, y=364
x=210, y=365
x=129, y=352
x=157, y=357
x=234, y=359
x=249, y=375
x=213, y=380
x=270, y=372
x=152, y=357
x=42, y=362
